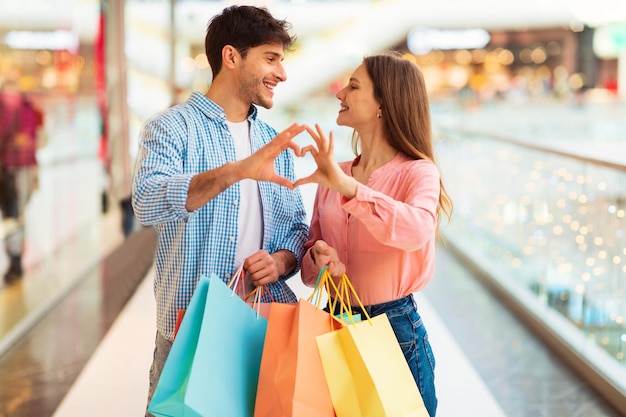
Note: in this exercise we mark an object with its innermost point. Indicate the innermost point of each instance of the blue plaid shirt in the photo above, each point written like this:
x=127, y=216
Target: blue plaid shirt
x=175, y=145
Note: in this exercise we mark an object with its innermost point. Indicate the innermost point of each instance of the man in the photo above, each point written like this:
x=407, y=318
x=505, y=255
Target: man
x=216, y=182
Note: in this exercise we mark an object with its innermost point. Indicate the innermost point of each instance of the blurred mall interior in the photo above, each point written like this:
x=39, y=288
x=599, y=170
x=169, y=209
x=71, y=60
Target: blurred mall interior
x=528, y=100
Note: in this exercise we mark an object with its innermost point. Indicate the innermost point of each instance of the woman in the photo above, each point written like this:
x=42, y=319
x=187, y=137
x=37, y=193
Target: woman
x=376, y=218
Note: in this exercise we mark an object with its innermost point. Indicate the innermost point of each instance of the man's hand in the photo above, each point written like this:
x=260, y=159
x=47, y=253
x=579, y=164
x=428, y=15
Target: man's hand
x=260, y=165
x=263, y=268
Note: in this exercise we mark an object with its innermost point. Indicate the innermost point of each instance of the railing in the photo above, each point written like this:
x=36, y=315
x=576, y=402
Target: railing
x=547, y=230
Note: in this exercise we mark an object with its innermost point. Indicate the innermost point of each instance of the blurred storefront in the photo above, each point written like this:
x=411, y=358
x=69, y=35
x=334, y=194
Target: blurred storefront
x=478, y=65
x=54, y=67
x=50, y=59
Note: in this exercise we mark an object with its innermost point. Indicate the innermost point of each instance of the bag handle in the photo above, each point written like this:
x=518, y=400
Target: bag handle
x=342, y=294
x=235, y=279
x=346, y=288
x=258, y=293
x=317, y=291
x=256, y=303
x=324, y=282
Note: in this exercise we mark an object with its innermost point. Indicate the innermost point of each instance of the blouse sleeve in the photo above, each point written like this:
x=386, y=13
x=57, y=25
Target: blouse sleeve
x=405, y=217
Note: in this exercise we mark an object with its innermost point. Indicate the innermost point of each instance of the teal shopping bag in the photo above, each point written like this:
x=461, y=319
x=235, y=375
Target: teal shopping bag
x=213, y=367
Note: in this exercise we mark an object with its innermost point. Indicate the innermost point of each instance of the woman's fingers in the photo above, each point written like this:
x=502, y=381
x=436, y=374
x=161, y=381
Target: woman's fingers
x=310, y=149
x=331, y=142
x=319, y=137
x=336, y=268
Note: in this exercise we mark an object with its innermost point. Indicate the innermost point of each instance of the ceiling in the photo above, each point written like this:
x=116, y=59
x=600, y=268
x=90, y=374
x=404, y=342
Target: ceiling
x=334, y=35
x=310, y=16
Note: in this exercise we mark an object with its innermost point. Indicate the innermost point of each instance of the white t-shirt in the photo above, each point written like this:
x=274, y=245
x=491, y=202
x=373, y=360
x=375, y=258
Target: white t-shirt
x=250, y=239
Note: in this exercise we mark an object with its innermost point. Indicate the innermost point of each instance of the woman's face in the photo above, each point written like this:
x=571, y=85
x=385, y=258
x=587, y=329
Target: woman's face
x=358, y=105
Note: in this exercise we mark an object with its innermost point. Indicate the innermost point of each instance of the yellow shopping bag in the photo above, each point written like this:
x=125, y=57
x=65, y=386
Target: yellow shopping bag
x=366, y=371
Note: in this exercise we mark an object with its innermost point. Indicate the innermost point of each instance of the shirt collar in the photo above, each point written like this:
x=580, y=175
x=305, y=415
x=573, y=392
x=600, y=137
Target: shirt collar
x=212, y=110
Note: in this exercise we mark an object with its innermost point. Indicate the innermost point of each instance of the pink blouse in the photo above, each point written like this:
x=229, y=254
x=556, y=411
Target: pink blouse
x=385, y=235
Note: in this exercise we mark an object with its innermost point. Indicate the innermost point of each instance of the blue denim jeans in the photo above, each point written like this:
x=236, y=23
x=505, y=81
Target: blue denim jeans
x=413, y=338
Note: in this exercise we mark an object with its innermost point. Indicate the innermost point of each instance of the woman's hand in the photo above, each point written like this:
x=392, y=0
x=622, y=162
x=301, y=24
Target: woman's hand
x=328, y=172
x=325, y=255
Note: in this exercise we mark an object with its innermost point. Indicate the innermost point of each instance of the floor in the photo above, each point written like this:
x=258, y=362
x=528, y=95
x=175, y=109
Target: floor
x=524, y=377
x=41, y=366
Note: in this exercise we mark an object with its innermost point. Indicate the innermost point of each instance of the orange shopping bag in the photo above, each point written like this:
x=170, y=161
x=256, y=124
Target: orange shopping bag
x=291, y=379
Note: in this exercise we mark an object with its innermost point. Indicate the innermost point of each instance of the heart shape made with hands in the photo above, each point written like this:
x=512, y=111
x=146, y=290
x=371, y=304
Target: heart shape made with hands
x=320, y=166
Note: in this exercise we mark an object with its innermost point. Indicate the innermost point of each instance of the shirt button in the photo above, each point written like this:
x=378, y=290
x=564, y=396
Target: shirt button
x=235, y=202
x=232, y=239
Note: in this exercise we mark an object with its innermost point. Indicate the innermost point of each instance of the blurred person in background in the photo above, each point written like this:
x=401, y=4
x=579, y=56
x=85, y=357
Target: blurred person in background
x=216, y=182
x=20, y=121
x=376, y=217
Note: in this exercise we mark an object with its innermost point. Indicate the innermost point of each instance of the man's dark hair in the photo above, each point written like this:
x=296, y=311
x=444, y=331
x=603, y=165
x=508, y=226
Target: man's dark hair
x=243, y=27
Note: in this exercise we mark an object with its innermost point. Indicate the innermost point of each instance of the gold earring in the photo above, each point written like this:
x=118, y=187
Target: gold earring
x=379, y=116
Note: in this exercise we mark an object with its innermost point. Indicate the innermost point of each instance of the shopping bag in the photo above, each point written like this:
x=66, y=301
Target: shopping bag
x=366, y=371
x=179, y=319
x=291, y=378
x=213, y=366
x=237, y=285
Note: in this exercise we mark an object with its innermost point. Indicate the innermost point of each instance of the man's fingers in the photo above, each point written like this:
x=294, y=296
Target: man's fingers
x=294, y=147
x=284, y=139
x=283, y=181
x=294, y=130
x=302, y=181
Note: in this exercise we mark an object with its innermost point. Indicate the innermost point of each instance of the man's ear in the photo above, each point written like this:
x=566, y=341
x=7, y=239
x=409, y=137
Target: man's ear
x=230, y=56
